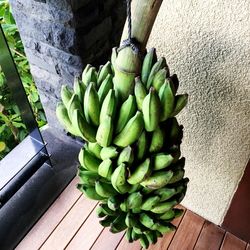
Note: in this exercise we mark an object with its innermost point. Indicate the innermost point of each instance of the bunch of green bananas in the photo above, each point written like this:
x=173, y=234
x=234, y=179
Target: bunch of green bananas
x=131, y=159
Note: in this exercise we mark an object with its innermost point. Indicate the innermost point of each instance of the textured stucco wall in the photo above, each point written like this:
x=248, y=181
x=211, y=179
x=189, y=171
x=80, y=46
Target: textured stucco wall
x=207, y=43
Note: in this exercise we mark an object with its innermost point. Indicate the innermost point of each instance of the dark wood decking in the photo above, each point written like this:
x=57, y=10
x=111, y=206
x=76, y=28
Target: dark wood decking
x=71, y=224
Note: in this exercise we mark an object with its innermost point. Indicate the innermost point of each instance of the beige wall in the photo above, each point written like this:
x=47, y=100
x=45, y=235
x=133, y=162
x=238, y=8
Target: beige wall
x=207, y=43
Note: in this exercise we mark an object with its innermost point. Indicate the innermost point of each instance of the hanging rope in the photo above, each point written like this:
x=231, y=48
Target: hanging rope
x=130, y=42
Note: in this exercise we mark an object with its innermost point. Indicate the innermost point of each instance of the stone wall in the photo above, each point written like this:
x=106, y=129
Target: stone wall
x=61, y=36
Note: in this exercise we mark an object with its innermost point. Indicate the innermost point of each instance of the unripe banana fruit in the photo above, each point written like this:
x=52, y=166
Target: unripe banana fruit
x=91, y=105
x=131, y=132
x=151, y=109
x=130, y=160
x=127, y=110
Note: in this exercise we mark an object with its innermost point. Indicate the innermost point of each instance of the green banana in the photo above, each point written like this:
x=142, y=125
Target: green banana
x=105, y=87
x=175, y=82
x=108, y=106
x=131, y=132
x=130, y=220
x=126, y=156
x=106, y=222
x=178, y=175
x=176, y=132
x=82, y=128
x=146, y=220
x=127, y=110
x=165, y=228
x=151, y=236
x=151, y=109
x=134, y=188
x=105, y=169
x=73, y=104
x=86, y=69
x=181, y=196
x=157, y=141
x=114, y=203
x=162, y=160
x=134, y=200
x=88, y=177
x=180, y=163
x=128, y=234
x=175, y=152
x=99, y=212
x=140, y=173
x=104, y=132
x=136, y=210
x=167, y=99
x=91, y=105
x=118, y=224
x=95, y=149
x=146, y=190
x=159, y=79
x=148, y=204
x=172, y=214
x=104, y=189
x=173, y=127
x=90, y=76
x=165, y=193
x=109, y=152
x=169, y=215
x=90, y=192
x=139, y=228
x=180, y=103
x=147, y=65
x=79, y=89
x=158, y=179
x=66, y=95
x=62, y=115
x=105, y=70
x=103, y=209
x=181, y=188
x=141, y=146
x=160, y=64
x=99, y=70
x=140, y=93
x=180, y=184
x=88, y=161
x=134, y=235
x=119, y=179
x=163, y=207
x=124, y=207
x=144, y=241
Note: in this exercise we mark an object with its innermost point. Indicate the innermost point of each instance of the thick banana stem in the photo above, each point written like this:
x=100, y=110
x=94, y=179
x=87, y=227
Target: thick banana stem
x=143, y=13
x=128, y=63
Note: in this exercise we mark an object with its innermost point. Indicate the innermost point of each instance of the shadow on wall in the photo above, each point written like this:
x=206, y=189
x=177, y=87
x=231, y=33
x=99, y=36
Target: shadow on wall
x=220, y=96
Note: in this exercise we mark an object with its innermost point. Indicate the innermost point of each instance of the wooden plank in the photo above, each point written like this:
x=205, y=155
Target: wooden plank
x=66, y=230
x=210, y=238
x=125, y=245
x=43, y=228
x=164, y=242
x=87, y=234
x=231, y=242
x=107, y=240
x=188, y=232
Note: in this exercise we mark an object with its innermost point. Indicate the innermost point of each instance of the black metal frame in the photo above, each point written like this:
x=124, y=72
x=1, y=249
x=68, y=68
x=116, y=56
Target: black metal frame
x=31, y=152
x=28, y=182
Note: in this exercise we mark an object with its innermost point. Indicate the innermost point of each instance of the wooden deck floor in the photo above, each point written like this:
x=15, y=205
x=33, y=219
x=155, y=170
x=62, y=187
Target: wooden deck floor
x=71, y=224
